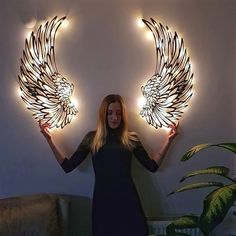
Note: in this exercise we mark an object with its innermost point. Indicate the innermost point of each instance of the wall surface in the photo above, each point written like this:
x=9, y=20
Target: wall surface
x=103, y=51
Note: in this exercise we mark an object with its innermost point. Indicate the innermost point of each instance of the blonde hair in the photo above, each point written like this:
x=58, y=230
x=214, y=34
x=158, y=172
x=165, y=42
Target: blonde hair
x=126, y=137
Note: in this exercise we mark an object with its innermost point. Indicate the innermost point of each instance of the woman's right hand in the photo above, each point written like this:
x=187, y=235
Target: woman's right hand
x=44, y=129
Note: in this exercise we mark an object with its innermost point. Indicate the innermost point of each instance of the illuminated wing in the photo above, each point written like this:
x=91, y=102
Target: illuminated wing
x=168, y=91
x=45, y=92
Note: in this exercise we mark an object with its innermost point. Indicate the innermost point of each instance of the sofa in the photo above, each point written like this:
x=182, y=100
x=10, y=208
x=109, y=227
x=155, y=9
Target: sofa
x=44, y=215
x=52, y=215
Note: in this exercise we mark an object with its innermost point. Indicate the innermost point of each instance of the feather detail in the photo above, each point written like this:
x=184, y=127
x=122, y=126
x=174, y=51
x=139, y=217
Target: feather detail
x=44, y=90
x=168, y=91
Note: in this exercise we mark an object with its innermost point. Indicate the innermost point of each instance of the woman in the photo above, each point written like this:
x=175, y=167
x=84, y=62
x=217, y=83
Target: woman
x=116, y=206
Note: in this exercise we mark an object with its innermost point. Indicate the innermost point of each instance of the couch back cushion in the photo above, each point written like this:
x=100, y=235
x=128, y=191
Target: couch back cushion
x=31, y=215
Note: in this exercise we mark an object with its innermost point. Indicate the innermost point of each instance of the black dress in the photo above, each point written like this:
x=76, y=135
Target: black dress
x=117, y=209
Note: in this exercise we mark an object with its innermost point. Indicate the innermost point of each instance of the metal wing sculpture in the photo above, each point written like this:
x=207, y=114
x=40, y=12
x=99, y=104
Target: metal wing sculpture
x=168, y=91
x=45, y=91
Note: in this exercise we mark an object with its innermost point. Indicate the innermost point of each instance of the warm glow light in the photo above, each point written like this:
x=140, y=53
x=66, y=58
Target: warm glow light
x=31, y=24
x=75, y=102
x=140, y=23
x=141, y=102
x=166, y=129
x=149, y=35
x=19, y=92
x=42, y=22
x=27, y=33
x=65, y=24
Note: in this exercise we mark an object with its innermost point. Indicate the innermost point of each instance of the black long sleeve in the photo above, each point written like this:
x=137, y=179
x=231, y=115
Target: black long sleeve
x=142, y=156
x=80, y=154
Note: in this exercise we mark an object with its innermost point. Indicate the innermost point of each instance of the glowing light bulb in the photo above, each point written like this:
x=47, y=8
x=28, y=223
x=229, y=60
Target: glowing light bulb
x=140, y=23
x=141, y=102
x=65, y=24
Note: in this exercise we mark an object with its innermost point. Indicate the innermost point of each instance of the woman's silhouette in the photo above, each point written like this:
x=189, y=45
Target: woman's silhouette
x=116, y=205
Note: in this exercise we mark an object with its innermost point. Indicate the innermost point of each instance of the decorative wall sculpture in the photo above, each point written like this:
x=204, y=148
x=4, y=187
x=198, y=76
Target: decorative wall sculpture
x=168, y=91
x=45, y=91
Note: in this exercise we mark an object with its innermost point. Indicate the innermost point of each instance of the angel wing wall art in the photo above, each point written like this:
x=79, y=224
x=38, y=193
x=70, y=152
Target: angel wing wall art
x=168, y=91
x=44, y=90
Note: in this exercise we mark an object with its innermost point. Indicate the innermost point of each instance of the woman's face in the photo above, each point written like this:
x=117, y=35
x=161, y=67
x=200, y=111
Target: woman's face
x=114, y=115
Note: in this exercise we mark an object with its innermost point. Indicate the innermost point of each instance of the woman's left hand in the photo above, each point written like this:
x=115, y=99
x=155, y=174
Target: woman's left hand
x=173, y=131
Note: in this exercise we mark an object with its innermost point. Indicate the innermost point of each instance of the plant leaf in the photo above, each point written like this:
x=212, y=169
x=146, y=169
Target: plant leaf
x=216, y=170
x=184, y=222
x=194, y=150
x=216, y=206
x=229, y=146
x=196, y=186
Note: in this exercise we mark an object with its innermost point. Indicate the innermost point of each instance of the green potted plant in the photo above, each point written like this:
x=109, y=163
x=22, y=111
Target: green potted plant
x=216, y=204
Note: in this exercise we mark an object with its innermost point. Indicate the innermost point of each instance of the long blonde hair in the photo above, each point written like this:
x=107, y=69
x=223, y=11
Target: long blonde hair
x=126, y=137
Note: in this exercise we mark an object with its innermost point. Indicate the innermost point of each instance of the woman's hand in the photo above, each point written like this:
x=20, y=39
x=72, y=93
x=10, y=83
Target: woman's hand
x=170, y=136
x=173, y=131
x=44, y=129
